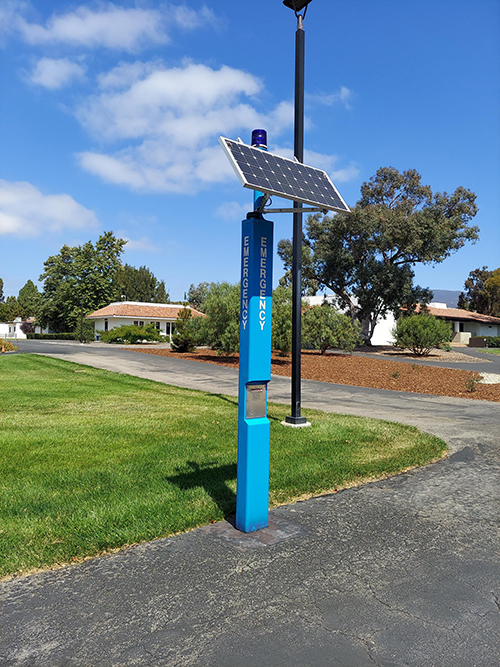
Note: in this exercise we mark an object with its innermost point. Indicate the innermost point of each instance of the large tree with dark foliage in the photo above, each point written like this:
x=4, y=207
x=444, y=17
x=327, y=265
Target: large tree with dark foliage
x=29, y=298
x=79, y=279
x=366, y=257
x=198, y=294
x=139, y=285
x=482, y=292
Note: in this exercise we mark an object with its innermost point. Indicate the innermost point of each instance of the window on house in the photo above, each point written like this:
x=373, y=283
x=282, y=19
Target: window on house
x=461, y=327
x=136, y=323
x=157, y=325
x=141, y=324
x=105, y=325
x=167, y=328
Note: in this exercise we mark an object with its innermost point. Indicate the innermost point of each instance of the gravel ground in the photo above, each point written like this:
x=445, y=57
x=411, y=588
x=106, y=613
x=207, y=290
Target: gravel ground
x=365, y=371
x=454, y=356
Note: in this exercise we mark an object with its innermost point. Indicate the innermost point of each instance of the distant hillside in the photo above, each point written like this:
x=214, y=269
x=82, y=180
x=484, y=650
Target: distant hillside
x=447, y=296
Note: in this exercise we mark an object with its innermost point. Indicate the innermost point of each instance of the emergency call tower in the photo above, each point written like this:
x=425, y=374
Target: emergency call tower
x=267, y=174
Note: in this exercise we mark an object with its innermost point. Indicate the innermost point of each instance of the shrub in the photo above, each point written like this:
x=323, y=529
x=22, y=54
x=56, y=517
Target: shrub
x=282, y=320
x=222, y=323
x=323, y=327
x=198, y=330
x=130, y=333
x=421, y=333
x=492, y=341
x=51, y=336
x=183, y=339
x=6, y=346
x=87, y=334
x=27, y=328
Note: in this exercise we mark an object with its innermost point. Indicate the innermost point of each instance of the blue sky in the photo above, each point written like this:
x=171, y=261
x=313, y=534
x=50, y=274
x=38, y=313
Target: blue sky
x=111, y=112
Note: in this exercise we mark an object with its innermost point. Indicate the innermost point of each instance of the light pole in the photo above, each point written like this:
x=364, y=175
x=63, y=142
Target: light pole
x=295, y=419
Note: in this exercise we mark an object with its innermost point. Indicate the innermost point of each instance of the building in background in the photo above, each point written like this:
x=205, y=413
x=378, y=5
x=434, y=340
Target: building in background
x=120, y=313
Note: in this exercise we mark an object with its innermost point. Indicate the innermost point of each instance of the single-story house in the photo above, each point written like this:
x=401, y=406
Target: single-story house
x=466, y=324
x=13, y=329
x=120, y=313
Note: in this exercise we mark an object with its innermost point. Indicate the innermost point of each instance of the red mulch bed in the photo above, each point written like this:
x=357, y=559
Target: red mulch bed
x=362, y=372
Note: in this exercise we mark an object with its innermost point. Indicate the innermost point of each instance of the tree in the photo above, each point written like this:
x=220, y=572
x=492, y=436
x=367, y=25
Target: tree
x=29, y=299
x=366, y=256
x=482, y=292
x=183, y=340
x=10, y=309
x=282, y=320
x=325, y=328
x=222, y=323
x=2, y=298
x=198, y=294
x=421, y=333
x=28, y=328
x=79, y=278
x=161, y=295
x=309, y=284
x=140, y=284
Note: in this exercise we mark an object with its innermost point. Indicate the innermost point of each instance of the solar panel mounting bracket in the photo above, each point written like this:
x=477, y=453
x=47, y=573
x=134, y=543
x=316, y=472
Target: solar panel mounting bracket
x=266, y=198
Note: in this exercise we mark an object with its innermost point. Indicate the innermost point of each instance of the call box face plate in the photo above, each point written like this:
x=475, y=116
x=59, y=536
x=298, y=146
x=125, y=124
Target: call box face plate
x=256, y=401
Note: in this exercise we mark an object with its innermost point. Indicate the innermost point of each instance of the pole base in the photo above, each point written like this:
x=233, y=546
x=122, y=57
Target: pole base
x=296, y=422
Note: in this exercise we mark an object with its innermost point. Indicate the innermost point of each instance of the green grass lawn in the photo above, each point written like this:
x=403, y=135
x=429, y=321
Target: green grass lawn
x=92, y=460
x=491, y=350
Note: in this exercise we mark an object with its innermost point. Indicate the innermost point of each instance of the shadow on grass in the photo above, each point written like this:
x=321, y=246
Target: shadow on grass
x=211, y=477
x=228, y=399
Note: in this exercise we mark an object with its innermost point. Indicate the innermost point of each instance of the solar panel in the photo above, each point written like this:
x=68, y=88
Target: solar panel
x=275, y=175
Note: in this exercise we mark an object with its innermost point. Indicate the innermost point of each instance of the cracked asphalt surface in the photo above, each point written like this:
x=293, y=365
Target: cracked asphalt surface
x=400, y=572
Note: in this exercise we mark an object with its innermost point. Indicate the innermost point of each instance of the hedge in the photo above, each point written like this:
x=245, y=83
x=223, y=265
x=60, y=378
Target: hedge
x=492, y=341
x=52, y=336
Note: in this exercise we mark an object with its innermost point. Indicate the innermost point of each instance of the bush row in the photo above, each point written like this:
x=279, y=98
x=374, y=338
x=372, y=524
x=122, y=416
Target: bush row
x=52, y=336
x=492, y=341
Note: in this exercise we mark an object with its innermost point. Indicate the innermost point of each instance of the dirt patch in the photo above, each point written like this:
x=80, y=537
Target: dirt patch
x=363, y=372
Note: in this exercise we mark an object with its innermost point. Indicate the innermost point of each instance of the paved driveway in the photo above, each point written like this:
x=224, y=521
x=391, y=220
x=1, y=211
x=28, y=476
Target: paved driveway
x=398, y=572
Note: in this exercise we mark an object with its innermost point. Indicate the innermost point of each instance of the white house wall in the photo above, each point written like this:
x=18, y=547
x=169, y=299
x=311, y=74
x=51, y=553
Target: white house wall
x=11, y=330
x=489, y=330
x=382, y=334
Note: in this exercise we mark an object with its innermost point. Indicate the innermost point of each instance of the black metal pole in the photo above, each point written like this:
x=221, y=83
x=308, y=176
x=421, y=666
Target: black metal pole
x=295, y=417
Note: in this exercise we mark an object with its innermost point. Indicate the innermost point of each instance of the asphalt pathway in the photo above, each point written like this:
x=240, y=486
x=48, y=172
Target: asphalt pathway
x=401, y=572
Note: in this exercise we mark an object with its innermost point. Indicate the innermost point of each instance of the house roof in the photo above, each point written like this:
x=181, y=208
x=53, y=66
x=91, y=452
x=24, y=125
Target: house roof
x=460, y=314
x=142, y=310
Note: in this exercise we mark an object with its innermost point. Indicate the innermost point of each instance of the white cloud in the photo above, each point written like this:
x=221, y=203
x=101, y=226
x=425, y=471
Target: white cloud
x=112, y=26
x=143, y=244
x=173, y=116
x=56, y=73
x=172, y=102
x=125, y=74
x=27, y=212
x=190, y=19
x=345, y=175
x=9, y=15
x=111, y=169
x=232, y=210
x=343, y=96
